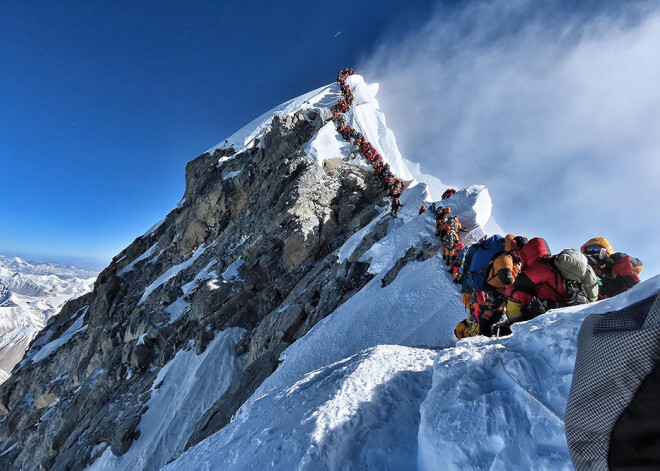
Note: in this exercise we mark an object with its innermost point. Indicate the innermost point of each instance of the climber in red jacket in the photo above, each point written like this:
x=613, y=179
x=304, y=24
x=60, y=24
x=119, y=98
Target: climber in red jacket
x=538, y=287
x=618, y=271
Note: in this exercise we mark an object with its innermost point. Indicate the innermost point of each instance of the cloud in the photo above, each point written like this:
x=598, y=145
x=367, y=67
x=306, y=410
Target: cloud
x=557, y=111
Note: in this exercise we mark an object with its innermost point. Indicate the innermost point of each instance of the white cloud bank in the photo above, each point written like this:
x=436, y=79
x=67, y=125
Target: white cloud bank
x=557, y=112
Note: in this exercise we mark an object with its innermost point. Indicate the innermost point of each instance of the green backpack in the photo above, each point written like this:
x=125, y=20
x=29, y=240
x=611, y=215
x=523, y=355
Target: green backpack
x=574, y=266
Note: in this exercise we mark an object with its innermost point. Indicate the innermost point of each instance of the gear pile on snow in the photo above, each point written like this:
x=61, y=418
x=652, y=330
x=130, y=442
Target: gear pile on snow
x=382, y=172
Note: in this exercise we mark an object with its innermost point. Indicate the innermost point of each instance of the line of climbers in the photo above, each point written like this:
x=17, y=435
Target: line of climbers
x=509, y=279
x=448, y=228
x=389, y=182
x=504, y=279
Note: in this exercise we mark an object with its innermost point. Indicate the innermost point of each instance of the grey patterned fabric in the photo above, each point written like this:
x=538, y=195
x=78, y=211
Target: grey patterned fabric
x=616, y=351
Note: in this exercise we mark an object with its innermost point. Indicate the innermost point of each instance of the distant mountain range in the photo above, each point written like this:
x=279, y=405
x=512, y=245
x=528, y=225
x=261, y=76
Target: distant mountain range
x=30, y=294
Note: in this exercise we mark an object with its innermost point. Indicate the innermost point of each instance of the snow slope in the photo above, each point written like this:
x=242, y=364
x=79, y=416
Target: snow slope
x=342, y=416
x=245, y=137
x=184, y=389
x=485, y=404
x=499, y=404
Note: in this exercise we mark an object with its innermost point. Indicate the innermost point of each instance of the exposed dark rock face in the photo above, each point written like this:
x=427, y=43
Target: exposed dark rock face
x=269, y=219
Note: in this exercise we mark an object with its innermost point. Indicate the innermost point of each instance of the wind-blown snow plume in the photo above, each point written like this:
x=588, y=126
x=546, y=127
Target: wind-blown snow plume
x=555, y=109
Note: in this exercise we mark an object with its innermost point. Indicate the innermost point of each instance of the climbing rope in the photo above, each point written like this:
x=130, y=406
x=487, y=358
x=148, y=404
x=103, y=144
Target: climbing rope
x=389, y=182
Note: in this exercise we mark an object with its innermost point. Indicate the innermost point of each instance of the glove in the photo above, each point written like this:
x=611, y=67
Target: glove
x=536, y=307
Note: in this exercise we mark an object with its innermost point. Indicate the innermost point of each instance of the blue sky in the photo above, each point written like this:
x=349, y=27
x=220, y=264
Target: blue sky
x=103, y=104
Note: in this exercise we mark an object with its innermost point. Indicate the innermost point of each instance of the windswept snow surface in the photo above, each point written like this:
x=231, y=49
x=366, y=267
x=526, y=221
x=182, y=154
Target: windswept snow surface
x=326, y=144
x=500, y=404
x=485, y=405
x=323, y=97
x=359, y=413
x=185, y=388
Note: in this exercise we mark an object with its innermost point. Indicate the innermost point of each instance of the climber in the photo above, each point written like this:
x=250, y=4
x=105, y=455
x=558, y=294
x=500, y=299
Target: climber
x=580, y=280
x=457, y=261
x=448, y=193
x=439, y=217
x=449, y=241
x=396, y=204
x=451, y=223
x=422, y=210
x=468, y=327
x=501, y=272
x=505, y=266
x=612, y=415
x=540, y=285
x=489, y=306
x=618, y=271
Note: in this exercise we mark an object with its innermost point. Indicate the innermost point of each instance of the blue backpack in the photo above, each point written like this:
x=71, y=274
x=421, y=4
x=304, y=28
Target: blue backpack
x=485, y=253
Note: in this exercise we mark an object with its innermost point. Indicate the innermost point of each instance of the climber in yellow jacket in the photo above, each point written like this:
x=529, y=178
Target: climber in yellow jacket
x=505, y=267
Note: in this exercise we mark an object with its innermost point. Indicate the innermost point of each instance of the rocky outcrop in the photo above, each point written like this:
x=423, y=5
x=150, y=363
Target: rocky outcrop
x=251, y=245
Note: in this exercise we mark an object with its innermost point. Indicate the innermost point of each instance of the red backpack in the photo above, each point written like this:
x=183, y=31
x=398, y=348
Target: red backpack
x=533, y=250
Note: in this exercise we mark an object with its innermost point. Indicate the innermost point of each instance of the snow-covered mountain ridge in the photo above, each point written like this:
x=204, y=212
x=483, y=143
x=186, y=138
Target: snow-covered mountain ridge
x=279, y=318
x=30, y=294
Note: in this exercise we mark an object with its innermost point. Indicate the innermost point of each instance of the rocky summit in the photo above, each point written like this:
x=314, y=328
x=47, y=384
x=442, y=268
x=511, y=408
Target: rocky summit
x=251, y=249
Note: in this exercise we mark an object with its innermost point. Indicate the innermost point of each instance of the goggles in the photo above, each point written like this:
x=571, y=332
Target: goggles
x=595, y=250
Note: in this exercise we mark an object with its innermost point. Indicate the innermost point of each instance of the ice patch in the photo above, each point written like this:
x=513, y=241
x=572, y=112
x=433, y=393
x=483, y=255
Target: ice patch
x=75, y=328
x=231, y=175
x=153, y=228
x=177, y=309
x=97, y=448
x=205, y=274
x=326, y=144
x=150, y=251
x=10, y=449
x=231, y=273
x=172, y=272
x=356, y=239
x=224, y=159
